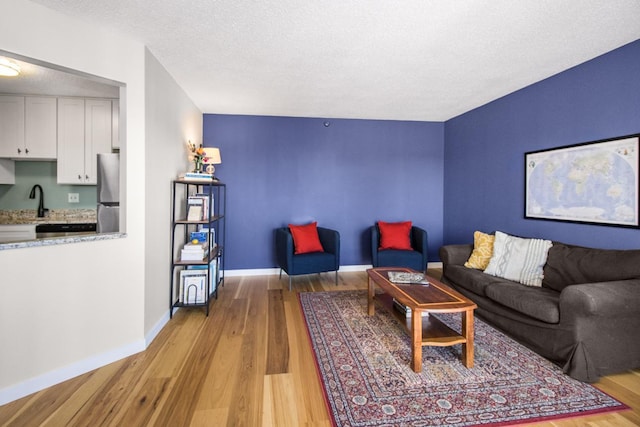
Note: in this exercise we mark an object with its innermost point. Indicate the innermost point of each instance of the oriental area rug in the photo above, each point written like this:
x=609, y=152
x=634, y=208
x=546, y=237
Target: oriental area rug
x=363, y=363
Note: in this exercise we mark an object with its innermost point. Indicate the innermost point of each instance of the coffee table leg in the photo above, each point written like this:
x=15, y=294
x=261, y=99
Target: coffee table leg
x=416, y=340
x=467, y=332
x=371, y=308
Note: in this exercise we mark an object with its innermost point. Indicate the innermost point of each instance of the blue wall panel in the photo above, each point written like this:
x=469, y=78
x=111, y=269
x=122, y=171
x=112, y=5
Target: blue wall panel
x=346, y=176
x=484, y=148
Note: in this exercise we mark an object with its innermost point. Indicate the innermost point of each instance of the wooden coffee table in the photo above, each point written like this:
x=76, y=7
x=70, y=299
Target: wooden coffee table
x=433, y=298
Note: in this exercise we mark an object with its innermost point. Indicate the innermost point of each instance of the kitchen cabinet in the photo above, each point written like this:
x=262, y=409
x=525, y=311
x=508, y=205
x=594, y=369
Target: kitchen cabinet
x=17, y=232
x=97, y=135
x=28, y=127
x=11, y=125
x=7, y=171
x=84, y=130
x=40, y=128
x=115, y=124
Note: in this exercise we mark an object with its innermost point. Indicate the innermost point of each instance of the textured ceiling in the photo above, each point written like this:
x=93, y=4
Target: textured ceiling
x=379, y=59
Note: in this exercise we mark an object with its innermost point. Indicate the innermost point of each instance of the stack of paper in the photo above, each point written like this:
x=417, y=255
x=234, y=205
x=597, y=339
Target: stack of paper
x=194, y=251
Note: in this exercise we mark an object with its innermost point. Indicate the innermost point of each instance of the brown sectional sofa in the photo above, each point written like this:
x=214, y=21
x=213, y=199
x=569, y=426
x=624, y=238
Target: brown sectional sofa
x=585, y=317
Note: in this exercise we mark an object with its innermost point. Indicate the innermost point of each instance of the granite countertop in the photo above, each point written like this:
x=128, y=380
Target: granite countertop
x=53, y=216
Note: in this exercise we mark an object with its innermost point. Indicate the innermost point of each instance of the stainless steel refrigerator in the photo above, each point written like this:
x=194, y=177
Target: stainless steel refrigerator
x=108, y=193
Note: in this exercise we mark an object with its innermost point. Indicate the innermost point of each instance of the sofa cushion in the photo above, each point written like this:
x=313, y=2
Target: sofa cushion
x=571, y=265
x=518, y=259
x=482, y=250
x=472, y=280
x=539, y=303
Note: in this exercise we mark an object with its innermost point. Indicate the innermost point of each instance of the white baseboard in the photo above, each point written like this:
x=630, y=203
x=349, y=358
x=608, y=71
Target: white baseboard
x=25, y=388
x=153, y=332
x=276, y=270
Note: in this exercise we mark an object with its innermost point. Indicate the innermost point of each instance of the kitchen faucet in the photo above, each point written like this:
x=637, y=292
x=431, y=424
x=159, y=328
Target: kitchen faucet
x=32, y=195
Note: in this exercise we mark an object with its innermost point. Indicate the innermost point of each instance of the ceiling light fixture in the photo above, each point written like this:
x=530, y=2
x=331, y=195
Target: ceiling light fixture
x=8, y=68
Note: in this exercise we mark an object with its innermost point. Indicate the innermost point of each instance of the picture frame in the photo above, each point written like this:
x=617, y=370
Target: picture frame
x=593, y=182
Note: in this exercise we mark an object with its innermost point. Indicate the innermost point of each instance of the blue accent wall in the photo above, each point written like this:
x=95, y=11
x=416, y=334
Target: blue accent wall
x=450, y=178
x=346, y=176
x=484, y=149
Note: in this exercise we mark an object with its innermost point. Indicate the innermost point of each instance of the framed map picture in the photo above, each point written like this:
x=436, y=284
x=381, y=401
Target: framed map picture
x=595, y=182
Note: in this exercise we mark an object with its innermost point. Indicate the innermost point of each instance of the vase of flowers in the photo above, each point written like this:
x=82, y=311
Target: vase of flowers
x=196, y=155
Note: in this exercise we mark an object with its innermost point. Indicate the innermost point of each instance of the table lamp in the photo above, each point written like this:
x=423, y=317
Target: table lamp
x=211, y=157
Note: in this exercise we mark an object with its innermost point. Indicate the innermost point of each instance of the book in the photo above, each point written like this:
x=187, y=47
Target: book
x=207, y=210
x=195, y=247
x=405, y=310
x=200, y=236
x=214, y=273
x=212, y=235
x=201, y=200
x=193, y=286
x=406, y=277
x=189, y=256
x=194, y=213
x=194, y=251
x=195, y=176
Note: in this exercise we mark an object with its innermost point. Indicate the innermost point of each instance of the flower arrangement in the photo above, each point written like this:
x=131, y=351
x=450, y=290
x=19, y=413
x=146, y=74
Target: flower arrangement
x=197, y=156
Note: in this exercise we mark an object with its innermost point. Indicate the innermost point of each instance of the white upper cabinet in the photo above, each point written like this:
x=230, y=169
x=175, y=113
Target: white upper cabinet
x=11, y=126
x=115, y=124
x=40, y=132
x=28, y=127
x=84, y=130
x=71, y=141
x=97, y=135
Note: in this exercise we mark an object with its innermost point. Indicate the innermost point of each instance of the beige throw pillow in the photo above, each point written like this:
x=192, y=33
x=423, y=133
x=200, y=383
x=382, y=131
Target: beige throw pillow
x=518, y=259
x=482, y=251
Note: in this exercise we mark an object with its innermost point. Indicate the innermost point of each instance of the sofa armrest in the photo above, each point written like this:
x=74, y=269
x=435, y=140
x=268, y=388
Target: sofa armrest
x=619, y=298
x=455, y=254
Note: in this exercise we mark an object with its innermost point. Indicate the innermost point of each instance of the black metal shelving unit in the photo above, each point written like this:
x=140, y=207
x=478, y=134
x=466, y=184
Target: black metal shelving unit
x=181, y=228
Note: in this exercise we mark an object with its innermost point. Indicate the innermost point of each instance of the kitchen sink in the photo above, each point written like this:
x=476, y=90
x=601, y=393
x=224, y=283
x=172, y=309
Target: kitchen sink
x=44, y=231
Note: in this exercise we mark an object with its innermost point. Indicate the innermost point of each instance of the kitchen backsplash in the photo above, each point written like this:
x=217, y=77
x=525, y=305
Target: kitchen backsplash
x=56, y=196
x=29, y=216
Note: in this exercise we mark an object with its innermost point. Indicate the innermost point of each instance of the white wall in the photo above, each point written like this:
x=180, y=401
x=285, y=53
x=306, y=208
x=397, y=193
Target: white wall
x=67, y=309
x=171, y=120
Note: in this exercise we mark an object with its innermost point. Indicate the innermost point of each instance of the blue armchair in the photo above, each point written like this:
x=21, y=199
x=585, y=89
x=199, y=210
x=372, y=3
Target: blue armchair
x=415, y=259
x=315, y=262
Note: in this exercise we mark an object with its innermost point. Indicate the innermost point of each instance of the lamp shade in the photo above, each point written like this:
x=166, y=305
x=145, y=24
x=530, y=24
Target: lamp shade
x=212, y=156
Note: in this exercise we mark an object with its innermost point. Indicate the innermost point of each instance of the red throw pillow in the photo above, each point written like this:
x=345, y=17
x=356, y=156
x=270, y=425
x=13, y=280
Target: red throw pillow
x=395, y=235
x=305, y=238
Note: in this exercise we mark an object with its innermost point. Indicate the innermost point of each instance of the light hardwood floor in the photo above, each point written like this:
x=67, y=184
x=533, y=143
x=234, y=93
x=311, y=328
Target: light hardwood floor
x=248, y=364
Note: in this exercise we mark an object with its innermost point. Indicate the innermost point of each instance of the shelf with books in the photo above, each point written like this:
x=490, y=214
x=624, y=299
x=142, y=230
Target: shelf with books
x=197, y=241
x=200, y=221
